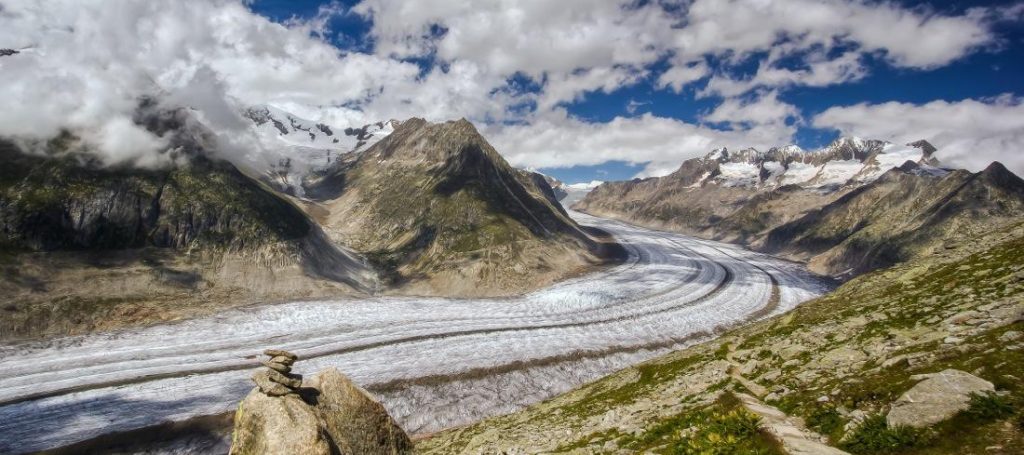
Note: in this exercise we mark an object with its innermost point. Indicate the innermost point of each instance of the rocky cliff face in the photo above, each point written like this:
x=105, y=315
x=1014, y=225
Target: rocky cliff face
x=86, y=247
x=441, y=210
x=62, y=203
x=878, y=198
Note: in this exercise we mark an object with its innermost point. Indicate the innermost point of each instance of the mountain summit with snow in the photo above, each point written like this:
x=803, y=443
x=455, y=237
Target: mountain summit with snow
x=847, y=161
x=302, y=145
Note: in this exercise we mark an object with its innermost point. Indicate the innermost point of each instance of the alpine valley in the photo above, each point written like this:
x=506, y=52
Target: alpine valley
x=379, y=227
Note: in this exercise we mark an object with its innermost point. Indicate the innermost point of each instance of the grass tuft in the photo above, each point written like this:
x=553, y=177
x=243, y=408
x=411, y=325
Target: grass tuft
x=989, y=407
x=874, y=436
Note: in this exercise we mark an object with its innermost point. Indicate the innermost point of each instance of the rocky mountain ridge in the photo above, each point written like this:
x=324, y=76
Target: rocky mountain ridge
x=767, y=200
x=304, y=146
x=438, y=207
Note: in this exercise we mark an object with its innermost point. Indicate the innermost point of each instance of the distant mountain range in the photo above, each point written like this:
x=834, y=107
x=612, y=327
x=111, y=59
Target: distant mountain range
x=848, y=208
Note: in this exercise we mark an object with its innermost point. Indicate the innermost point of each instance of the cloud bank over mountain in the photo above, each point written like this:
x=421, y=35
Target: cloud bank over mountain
x=514, y=67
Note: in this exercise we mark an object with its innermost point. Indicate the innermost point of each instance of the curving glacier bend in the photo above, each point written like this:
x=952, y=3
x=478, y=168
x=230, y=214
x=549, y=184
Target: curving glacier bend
x=434, y=362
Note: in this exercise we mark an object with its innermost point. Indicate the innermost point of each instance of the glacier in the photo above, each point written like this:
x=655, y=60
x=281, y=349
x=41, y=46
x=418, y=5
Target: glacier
x=435, y=363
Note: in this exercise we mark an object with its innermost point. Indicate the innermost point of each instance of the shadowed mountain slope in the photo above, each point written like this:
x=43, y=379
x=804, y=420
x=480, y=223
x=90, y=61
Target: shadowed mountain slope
x=86, y=247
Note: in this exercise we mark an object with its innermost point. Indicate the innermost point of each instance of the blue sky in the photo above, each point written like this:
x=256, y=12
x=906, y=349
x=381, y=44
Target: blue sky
x=579, y=89
x=990, y=71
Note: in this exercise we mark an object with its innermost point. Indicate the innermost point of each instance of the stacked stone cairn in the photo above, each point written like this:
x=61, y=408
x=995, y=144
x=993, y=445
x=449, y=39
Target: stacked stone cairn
x=276, y=379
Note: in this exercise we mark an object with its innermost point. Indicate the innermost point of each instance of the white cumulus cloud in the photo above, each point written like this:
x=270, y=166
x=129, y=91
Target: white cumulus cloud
x=968, y=133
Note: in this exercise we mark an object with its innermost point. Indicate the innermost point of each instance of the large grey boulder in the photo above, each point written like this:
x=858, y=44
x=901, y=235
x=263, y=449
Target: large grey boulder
x=938, y=397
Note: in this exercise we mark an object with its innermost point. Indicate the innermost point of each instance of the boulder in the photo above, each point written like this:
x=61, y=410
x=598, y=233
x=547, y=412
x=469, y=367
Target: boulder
x=356, y=422
x=278, y=425
x=279, y=367
x=938, y=397
x=280, y=353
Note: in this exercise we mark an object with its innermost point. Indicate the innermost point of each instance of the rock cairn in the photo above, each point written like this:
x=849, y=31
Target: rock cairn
x=276, y=379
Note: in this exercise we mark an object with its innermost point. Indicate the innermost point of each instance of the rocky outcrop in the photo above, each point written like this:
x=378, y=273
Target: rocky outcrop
x=938, y=397
x=60, y=203
x=327, y=414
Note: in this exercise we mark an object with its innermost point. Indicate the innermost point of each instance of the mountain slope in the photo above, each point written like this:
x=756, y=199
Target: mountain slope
x=827, y=372
x=905, y=213
x=440, y=209
x=85, y=247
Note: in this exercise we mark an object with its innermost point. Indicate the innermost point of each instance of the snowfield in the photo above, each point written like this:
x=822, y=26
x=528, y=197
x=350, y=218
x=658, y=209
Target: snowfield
x=434, y=362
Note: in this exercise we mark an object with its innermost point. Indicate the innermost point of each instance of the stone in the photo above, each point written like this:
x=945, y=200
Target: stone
x=355, y=421
x=771, y=375
x=856, y=417
x=791, y=351
x=291, y=381
x=280, y=353
x=282, y=368
x=963, y=317
x=1010, y=336
x=269, y=387
x=283, y=360
x=937, y=398
x=331, y=416
x=901, y=360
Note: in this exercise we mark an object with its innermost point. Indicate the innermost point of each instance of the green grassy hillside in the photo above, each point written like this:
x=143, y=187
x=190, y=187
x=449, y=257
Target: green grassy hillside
x=834, y=366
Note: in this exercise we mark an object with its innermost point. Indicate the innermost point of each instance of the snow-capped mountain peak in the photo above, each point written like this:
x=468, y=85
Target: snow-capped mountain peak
x=300, y=145
x=585, y=185
x=846, y=161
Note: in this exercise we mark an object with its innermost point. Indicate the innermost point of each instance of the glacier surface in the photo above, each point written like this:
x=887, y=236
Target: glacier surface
x=434, y=362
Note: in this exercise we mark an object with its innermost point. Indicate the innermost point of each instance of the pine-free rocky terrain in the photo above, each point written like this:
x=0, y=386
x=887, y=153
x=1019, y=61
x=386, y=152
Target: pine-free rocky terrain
x=852, y=207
